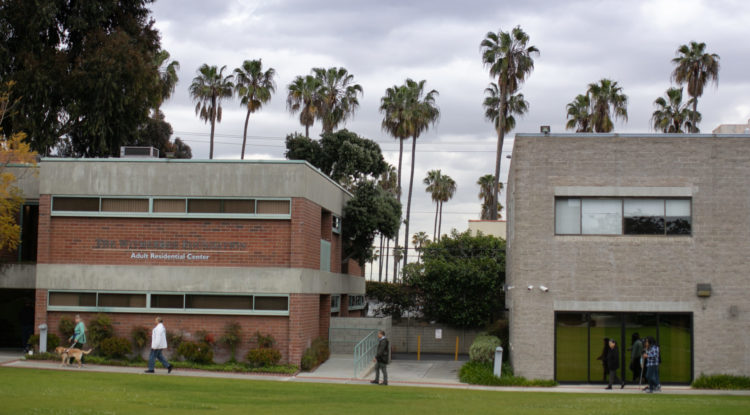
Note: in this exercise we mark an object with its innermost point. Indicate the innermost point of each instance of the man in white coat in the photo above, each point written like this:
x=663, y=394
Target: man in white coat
x=158, y=344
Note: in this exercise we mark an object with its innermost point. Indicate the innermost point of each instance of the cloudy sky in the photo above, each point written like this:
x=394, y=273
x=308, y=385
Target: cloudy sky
x=383, y=42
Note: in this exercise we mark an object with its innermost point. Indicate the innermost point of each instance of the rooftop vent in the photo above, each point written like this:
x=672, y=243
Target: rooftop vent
x=139, y=152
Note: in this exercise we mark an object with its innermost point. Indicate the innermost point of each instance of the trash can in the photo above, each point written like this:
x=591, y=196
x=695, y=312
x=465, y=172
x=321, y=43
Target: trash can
x=498, y=369
x=42, y=338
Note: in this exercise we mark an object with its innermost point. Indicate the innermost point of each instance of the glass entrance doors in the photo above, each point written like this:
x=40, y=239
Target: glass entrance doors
x=579, y=344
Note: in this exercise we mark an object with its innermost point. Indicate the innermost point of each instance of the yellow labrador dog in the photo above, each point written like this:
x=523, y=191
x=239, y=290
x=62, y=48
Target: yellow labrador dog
x=67, y=353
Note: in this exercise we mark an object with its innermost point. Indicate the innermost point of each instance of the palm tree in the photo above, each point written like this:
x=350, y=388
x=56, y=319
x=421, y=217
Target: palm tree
x=516, y=105
x=398, y=253
x=606, y=99
x=485, y=195
x=302, y=96
x=420, y=240
x=695, y=67
x=387, y=182
x=254, y=88
x=672, y=114
x=447, y=191
x=508, y=58
x=167, y=74
x=337, y=95
x=421, y=112
x=207, y=90
x=432, y=181
x=579, y=114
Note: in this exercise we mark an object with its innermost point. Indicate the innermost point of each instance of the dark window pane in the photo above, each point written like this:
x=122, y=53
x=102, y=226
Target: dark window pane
x=76, y=204
x=204, y=206
x=239, y=206
x=271, y=303
x=674, y=344
x=122, y=300
x=603, y=326
x=222, y=302
x=72, y=299
x=571, y=348
x=679, y=225
x=644, y=225
x=166, y=301
x=169, y=205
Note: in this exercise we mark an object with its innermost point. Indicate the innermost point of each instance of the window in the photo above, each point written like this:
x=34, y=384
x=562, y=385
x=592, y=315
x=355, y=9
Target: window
x=67, y=299
x=335, y=301
x=124, y=205
x=219, y=302
x=622, y=216
x=271, y=303
x=77, y=204
x=169, y=205
x=356, y=302
x=273, y=207
x=167, y=301
x=336, y=224
x=122, y=300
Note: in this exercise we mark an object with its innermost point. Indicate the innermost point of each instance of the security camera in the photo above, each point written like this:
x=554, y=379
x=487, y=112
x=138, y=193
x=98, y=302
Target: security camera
x=543, y=288
x=530, y=287
x=508, y=287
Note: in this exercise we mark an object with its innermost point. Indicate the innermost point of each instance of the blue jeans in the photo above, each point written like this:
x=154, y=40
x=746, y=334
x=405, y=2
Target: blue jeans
x=652, y=376
x=156, y=354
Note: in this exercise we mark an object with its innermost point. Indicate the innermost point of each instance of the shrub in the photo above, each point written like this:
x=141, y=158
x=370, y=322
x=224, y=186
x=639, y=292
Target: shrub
x=66, y=327
x=100, y=328
x=231, y=338
x=483, y=348
x=316, y=354
x=395, y=299
x=263, y=357
x=730, y=382
x=481, y=373
x=140, y=337
x=196, y=352
x=115, y=347
x=174, y=339
x=265, y=341
x=52, y=341
x=205, y=337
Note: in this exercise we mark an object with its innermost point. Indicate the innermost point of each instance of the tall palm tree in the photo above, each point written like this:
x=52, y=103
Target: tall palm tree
x=607, y=100
x=486, y=183
x=579, y=114
x=509, y=59
x=516, y=105
x=695, y=67
x=338, y=96
x=420, y=240
x=208, y=89
x=388, y=182
x=254, y=87
x=422, y=111
x=167, y=74
x=302, y=96
x=432, y=181
x=672, y=114
x=448, y=190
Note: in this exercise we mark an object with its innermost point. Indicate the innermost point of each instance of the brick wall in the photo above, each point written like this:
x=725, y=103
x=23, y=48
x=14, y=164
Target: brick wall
x=305, y=234
x=304, y=323
x=324, y=315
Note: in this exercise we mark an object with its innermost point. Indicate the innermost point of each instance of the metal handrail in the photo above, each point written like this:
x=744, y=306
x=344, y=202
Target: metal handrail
x=364, y=352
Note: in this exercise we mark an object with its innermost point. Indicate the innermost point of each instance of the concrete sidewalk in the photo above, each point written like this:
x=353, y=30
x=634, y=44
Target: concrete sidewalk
x=339, y=369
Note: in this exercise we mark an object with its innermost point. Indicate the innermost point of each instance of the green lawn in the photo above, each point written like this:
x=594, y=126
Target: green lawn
x=70, y=392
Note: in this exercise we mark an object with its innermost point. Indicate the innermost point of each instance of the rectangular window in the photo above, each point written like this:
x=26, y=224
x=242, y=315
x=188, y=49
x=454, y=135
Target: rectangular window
x=271, y=303
x=76, y=204
x=169, y=205
x=356, y=302
x=335, y=300
x=239, y=206
x=68, y=299
x=622, y=216
x=204, y=206
x=122, y=300
x=167, y=301
x=219, y=302
x=273, y=207
x=124, y=205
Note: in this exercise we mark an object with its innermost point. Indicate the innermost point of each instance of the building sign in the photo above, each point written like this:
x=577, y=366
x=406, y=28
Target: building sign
x=169, y=250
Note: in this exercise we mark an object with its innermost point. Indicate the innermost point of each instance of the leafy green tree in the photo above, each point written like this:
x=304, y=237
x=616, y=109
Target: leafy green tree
x=344, y=156
x=337, y=95
x=167, y=74
x=395, y=299
x=461, y=283
x=85, y=70
x=302, y=96
x=579, y=114
x=254, y=87
x=607, y=100
x=486, y=183
x=672, y=114
x=157, y=132
x=208, y=89
x=510, y=60
x=695, y=67
x=370, y=211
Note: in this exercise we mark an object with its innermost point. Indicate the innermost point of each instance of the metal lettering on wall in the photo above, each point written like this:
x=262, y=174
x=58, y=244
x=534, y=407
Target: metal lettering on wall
x=165, y=249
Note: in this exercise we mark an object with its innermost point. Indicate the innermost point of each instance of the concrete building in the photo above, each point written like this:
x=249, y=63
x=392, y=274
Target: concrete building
x=495, y=228
x=202, y=243
x=733, y=128
x=612, y=234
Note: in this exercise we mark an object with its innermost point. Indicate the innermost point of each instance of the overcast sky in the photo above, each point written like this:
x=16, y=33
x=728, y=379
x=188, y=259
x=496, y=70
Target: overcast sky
x=383, y=42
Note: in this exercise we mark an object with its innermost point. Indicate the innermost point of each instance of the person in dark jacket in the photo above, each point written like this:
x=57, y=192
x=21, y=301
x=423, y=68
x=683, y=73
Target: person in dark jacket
x=635, y=356
x=381, y=359
x=603, y=358
x=613, y=363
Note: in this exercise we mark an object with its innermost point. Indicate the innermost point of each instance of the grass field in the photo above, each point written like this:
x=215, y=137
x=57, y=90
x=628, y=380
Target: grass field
x=30, y=391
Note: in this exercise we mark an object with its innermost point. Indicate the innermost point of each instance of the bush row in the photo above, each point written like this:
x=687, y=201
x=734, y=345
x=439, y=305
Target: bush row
x=727, y=382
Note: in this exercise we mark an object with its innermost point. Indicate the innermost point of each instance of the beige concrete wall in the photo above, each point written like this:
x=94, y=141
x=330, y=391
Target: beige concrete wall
x=631, y=273
x=489, y=227
x=218, y=178
x=27, y=179
x=195, y=279
x=405, y=337
x=732, y=128
x=18, y=276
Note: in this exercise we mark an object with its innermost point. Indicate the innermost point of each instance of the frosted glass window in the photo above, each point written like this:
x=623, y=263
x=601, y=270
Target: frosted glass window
x=644, y=207
x=601, y=216
x=678, y=207
x=568, y=216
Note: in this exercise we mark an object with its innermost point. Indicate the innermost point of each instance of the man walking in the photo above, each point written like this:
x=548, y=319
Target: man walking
x=381, y=359
x=158, y=344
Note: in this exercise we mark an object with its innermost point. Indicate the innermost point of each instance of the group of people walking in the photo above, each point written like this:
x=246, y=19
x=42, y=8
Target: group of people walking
x=645, y=358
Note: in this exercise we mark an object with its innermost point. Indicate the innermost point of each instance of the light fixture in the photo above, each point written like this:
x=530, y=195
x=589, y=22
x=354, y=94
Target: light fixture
x=544, y=129
x=543, y=288
x=704, y=290
x=530, y=287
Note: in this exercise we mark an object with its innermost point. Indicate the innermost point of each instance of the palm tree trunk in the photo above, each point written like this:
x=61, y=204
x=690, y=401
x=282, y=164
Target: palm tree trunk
x=244, y=136
x=434, y=227
x=380, y=260
x=307, y=131
x=213, y=125
x=440, y=222
x=387, y=257
x=500, y=138
x=693, y=127
x=408, y=200
x=398, y=190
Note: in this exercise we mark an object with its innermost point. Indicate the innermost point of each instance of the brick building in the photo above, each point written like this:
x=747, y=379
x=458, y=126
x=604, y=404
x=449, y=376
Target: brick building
x=629, y=233
x=201, y=243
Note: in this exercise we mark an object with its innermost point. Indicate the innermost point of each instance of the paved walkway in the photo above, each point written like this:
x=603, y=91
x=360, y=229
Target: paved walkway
x=338, y=369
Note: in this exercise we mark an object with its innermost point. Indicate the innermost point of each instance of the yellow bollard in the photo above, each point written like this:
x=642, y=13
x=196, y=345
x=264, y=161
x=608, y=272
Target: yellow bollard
x=419, y=345
x=456, y=357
